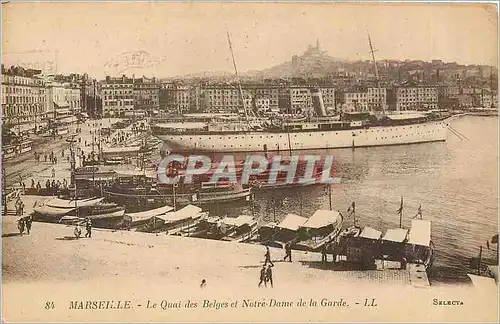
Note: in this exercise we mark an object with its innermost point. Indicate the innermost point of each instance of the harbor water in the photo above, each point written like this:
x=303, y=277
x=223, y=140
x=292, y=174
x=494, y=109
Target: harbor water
x=455, y=182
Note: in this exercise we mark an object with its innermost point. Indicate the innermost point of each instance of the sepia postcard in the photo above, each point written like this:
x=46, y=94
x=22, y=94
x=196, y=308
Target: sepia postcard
x=249, y=162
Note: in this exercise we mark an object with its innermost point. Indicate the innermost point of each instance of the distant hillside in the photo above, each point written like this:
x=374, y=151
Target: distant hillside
x=315, y=63
x=312, y=62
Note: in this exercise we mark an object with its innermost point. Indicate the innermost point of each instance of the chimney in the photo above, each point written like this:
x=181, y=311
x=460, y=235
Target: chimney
x=317, y=99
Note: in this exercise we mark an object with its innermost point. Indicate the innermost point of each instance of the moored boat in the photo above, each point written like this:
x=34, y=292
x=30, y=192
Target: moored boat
x=239, y=229
x=319, y=229
x=134, y=220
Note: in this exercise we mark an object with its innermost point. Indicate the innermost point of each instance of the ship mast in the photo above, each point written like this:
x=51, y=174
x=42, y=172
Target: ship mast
x=372, y=51
x=236, y=73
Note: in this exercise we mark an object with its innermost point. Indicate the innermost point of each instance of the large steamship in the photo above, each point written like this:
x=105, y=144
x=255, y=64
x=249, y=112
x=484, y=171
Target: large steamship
x=255, y=134
x=352, y=130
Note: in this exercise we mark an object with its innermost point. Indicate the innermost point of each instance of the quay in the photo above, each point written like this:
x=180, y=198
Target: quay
x=141, y=266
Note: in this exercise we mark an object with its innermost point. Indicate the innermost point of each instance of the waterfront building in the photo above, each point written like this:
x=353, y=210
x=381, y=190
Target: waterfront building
x=146, y=94
x=300, y=99
x=117, y=96
x=416, y=98
x=23, y=97
x=376, y=98
x=356, y=100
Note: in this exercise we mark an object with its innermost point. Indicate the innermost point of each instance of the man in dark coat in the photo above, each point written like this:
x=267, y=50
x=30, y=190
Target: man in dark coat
x=88, y=227
x=288, y=252
x=269, y=274
x=263, y=276
x=28, y=222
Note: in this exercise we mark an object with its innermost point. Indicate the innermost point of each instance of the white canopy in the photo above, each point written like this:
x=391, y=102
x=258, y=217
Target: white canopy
x=292, y=222
x=238, y=221
x=52, y=211
x=65, y=203
x=370, y=233
x=189, y=211
x=322, y=218
x=395, y=235
x=420, y=232
x=135, y=217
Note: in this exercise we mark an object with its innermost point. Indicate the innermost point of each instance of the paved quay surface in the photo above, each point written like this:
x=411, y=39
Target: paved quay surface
x=50, y=265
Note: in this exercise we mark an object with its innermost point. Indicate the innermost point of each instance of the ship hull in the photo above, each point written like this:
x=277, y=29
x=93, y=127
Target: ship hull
x=308, y=140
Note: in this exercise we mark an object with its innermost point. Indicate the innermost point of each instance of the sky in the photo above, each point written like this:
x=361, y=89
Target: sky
x=182, y=38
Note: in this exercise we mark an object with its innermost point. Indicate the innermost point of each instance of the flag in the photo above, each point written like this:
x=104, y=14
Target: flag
x=400, y=209
x=494, y=239
x=419, y=212
x=352, y=207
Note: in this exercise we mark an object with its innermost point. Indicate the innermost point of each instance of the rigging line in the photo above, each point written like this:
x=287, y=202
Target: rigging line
x=458, y=133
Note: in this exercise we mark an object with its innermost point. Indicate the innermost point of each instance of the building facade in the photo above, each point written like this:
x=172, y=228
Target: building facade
x=300, y=99
x=117, y=96
x=23, y=99
x=146, y=94
x=376, y=98
x=356, y=100
x=416, y=98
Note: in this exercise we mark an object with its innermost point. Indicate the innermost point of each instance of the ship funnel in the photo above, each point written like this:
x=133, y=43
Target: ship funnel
x=318, y=104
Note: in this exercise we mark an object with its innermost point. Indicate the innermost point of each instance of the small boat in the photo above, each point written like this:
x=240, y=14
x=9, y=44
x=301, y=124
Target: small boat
x=419, y=247
x=320, y=229
x=55, y=208
x=287, y=231
x=413, y=246
x=134, y=220
x=239, y=229
x=205, y=226
x=266, y=232
x=175, y=221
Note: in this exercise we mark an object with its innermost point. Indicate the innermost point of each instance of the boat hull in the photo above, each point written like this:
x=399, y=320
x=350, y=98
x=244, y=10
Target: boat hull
x=308, y=140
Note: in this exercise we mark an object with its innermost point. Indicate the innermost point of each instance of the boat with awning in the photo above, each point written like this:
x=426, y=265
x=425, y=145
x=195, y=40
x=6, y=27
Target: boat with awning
x=319, y=229
x=419, y=247
x=176, y=221
x=71, y=203
x=287, y=230
x=140, y=218
x=239, y=229
x=393, y=242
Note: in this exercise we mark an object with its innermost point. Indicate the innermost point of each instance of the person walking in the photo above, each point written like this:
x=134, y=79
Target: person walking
x=269, y=274
x=77, y=232
x=88, y=227
x=20, y=226
x=288, y=252
x=53, y=172
x=323, y=253
x=32, y=183
x=268, y=257
x=29, y=220
x=38, y=187
x=263, y=276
